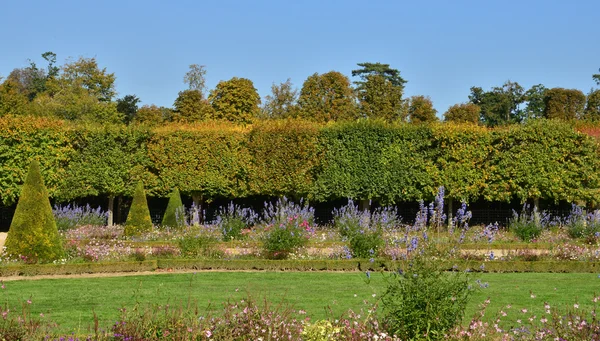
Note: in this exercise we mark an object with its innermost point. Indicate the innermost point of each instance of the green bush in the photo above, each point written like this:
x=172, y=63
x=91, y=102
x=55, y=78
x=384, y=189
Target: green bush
x=288, y=227
x=174, y=215
x=424, y=301
x=33, y=233
x=526, y=226
x=198, y=245
x=138, y=219
x=232, y=220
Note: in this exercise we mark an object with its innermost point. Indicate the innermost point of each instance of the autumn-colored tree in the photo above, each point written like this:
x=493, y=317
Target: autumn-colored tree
x=12, y=101
x=420, y=109
x=463, y=112
x=85, y=73
x=282, y=103
x=31, y=80
x=151, y=115
x=190, y=106
x=235, y=100
x=327, y=97
x=592, y=107
x=564, y=104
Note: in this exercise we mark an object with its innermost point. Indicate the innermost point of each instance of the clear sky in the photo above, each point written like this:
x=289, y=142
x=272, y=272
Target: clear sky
x=442, y=48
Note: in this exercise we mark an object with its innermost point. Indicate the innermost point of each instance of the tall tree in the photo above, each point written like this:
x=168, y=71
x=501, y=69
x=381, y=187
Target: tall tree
x=564, y=104
x=535, y=102
x=128, y=106
x=85, y=73
x=592, y=107
x=379, y=91
x=32, y=80
x=282, y=103
x=235, y=100
x=501, y=105
x=420, y=110
x=463, y=112
x=190, y=106
x=12, y=101
x=195, y=78
x=384, y=70
x=596, y=78
x=327, y=97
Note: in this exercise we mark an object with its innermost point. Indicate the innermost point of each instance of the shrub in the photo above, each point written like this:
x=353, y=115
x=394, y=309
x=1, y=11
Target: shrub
x=528, y=226
x=198, y=245
x=363, y=229
x=69, y=217
x=138, y=219
x=581, y=225
x=288, y=227
x=232, y=219
x=33, y=233
x=424, y=300
x=175, y=214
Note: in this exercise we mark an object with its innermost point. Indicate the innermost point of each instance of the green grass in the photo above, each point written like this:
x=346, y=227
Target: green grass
x=71, y=302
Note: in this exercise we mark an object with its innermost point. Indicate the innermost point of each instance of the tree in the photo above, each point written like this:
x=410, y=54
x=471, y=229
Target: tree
x=421, y=110
x=138, y=219
x=327, y=97
x=596, y=78
x=464, y=112
x=380, y=91
x=151, y=115
x=235, y=100
x=128, y=106
x=12, y=101
x=384, y=70
x=592, y=108
x=85, y=73
x=535, y=102
x=564, y=104
x=501, y=105
x=195, y=78
x=190, y=106
x=33, y=231
x=32, y=80
x=174, y=215
x=283, y=101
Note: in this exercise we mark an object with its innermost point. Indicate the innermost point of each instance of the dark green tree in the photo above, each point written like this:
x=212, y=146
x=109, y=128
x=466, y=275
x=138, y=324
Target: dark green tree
x=420, y=110
x=379, y=91
x=535, y=102
x=235, y=100
x=501, y=105
x=152, y=115
x=128, y=106
x=33, y=231
x=564, y=104
x=384, y=70
x=464, y=112
x=327, y=97
x=138, y=219
x=596, y=78
x=174, y=214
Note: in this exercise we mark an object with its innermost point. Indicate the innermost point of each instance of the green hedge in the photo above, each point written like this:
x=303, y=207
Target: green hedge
x=76, y=269
x=363, y=160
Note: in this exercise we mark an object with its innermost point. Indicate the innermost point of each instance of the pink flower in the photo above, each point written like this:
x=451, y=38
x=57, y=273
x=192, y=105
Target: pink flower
x=208, y=333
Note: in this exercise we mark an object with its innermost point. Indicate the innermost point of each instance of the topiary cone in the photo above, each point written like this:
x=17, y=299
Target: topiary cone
x=138, y=219
x=172, y=217
x=33, y=231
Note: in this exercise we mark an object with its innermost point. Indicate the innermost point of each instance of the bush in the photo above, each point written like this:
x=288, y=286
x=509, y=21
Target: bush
x=424, y=300
x=175, y=214
x=198, y=245
x=138, y=219
x=232, y=219
x=288, y=227
x=363, y=230
x=581, y=225
x=528, y=226
x=33, y=233
x=69, y=217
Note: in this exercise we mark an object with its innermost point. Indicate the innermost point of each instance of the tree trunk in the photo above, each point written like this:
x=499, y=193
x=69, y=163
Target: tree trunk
x=364, y=205
x=111, y=209
x=196, y=209
x=450, y=210
x=119, y=213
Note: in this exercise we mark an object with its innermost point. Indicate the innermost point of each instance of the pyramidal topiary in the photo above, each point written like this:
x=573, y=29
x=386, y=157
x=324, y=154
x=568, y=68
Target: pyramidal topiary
x=174, y=214
x=33, y=233
x=138, y=219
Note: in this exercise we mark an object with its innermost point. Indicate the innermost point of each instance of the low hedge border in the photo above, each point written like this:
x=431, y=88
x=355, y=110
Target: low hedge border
x=292, y=265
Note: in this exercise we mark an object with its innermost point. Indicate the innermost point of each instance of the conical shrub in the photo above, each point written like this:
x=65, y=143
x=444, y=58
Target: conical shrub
x=138, y=219
x=33, y=233
x=174, y=214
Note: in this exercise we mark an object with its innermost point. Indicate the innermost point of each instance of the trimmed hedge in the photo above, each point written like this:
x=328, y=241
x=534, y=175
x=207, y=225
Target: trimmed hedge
x=76, y=269
x=365, y=159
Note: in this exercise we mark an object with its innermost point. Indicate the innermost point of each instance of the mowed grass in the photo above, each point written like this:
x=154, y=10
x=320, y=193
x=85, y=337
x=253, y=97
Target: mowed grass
x=72, y=302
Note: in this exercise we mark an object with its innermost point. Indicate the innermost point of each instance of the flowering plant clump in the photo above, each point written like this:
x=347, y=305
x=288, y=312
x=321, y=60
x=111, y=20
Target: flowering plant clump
x=529, y=224
x=288, y=226
x=233, y=219
x=364, y=230
x=71, y=216
x=581, y=225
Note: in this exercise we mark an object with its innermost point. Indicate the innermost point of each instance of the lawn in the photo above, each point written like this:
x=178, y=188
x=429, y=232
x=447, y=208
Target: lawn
x=71, y=302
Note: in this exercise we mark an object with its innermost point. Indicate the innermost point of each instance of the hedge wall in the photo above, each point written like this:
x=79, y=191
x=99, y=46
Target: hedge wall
x=361, y=160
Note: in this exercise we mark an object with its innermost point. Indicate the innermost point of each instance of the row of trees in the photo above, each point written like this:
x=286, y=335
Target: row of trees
x=81, y=90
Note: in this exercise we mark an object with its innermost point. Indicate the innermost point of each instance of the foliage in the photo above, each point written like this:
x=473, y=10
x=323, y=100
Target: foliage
x=128, y=106
x=380, y=99
x=138, y=219
x=151, y=115
x=85, y=74
x=71, y=216
x=235, y=100
x=327, y=97
x=535, y=102
x=500, y=105
x=33, y=233
x=195, y=78
x=529, y=224
x=592, y=107
x=233, y=219
x=463, y=113
x=378, y=69
x=191, y=106
x=582, y=225
x=564, y=104
x=194, y=245
x=288, y=226
x=282, y=103
x=12, y=101
x=174, y=214
x=420, y=110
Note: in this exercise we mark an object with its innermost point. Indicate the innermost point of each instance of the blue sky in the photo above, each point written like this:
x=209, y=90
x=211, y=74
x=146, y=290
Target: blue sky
x=442, y=48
